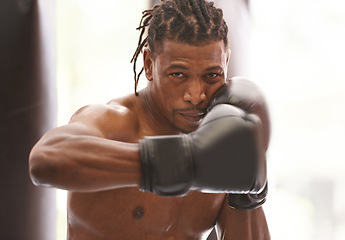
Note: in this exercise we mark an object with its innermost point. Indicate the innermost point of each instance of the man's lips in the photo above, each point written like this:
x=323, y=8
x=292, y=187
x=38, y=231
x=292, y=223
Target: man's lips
x=193, y=116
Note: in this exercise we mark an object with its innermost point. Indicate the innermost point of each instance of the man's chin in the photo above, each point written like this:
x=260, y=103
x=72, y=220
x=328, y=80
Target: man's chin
x=187, y=129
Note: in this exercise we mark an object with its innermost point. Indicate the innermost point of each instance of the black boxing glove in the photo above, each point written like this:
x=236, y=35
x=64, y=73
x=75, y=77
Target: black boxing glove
x=246, y=95
x=223, y=155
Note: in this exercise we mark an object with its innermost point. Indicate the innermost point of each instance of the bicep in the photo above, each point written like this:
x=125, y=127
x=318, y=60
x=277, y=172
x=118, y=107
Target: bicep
x=242, y=224
x=100, y=121
x=88, y=120
x=85, y=122
x=110, y=122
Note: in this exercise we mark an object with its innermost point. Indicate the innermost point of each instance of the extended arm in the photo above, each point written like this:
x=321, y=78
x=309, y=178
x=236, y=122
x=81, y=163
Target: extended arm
x=79, y=157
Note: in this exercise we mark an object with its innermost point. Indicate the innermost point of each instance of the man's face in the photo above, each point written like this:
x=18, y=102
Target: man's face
x=182, y=80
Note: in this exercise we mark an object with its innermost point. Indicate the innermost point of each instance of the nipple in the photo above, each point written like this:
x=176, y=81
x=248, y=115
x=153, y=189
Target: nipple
x=138, y=212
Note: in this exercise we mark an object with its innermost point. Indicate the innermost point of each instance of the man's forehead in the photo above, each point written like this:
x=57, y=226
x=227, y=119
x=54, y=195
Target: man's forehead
x=177, y=55
x=171, y=46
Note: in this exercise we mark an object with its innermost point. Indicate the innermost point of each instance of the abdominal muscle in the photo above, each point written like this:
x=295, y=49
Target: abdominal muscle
x=127, y=213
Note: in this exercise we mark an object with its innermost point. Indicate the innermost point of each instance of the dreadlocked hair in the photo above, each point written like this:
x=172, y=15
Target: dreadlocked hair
x=193, y=22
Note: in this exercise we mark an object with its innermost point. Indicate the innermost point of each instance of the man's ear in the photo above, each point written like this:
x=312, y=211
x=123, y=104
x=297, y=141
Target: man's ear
x=148, y=64
x=228, y=57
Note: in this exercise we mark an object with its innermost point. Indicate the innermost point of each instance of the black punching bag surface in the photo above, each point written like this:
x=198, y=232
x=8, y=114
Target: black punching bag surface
x=27, y=110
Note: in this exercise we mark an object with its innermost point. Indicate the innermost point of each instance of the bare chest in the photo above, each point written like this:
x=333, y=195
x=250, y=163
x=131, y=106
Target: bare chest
x=128, y=213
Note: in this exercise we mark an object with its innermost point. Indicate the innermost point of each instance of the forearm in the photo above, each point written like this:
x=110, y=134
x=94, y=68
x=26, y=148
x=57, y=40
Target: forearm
x=84, y=163
x=242, y=224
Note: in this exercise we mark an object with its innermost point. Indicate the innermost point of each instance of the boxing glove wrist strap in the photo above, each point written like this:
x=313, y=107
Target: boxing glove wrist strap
x=247, y=201
x=166, y=165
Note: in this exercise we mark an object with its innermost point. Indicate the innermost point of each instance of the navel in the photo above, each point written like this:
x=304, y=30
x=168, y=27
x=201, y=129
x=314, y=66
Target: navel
x=138, y=212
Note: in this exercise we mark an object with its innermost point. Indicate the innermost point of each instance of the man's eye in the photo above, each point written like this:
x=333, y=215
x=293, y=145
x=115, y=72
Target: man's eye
x=177, y=75
x=212, y=78
x=212, y=75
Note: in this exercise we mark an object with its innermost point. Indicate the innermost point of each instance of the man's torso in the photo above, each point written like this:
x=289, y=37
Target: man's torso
x=127, y=213
x=130, y=214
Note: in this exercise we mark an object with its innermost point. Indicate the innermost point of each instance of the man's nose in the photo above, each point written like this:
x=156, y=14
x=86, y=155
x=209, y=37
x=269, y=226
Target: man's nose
x=195, y=92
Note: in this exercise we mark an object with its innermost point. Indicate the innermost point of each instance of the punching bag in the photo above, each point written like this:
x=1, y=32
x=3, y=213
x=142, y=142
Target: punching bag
x=28, y=110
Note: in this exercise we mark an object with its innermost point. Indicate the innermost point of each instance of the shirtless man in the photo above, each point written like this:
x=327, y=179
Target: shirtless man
x=119, y=171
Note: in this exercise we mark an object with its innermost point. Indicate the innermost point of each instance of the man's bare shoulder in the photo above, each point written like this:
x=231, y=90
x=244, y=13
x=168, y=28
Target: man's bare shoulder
x=117, y=119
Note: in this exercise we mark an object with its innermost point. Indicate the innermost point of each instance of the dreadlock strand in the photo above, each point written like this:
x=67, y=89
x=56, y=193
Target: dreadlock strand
x=182, y=4
x=142, y=27
x=137, y=82
x=134, y=59
x=144, y=23
x=204, y=10
x=198, y=13
x=137, y=51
